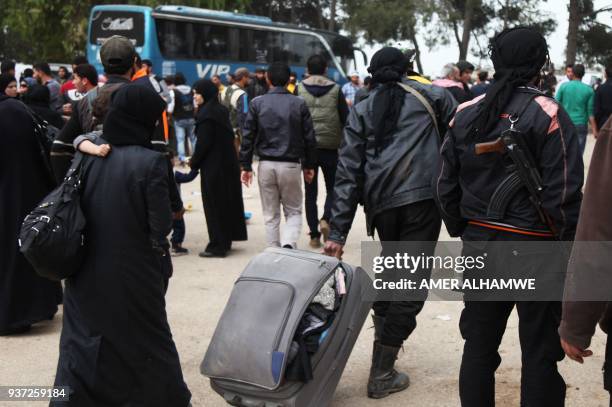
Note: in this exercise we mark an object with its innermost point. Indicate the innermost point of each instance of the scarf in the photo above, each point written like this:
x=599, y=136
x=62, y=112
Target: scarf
x=388, y=66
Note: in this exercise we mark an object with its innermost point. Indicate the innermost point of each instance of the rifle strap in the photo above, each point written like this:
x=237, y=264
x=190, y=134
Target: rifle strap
x=424, y=102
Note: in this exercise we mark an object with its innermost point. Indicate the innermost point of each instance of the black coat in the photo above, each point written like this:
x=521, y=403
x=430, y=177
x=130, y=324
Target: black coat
x=400, y=172
x=25, y=298
x=215, y=156
x=116, y=346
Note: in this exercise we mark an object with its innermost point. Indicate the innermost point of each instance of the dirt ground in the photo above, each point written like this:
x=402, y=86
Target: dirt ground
x=200, y=287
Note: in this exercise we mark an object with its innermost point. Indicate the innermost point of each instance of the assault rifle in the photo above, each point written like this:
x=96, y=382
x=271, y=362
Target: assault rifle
x=511, y=143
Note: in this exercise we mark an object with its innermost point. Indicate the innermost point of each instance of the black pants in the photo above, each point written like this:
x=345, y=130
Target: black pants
x=483, y=324
x=327, y=160
x=419, y=222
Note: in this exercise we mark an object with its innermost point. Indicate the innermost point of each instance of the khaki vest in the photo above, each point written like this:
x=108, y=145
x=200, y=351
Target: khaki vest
x=325, y=117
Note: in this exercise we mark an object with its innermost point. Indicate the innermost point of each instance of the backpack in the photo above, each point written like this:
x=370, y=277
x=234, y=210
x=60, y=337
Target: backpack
x=230, y=101
x=183, y=105
x=52, y=235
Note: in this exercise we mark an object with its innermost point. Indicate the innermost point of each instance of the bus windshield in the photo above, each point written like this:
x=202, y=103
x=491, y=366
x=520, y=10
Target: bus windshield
x=106, y=23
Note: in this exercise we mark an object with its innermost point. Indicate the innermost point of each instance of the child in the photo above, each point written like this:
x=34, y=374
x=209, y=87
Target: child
x=178, y=224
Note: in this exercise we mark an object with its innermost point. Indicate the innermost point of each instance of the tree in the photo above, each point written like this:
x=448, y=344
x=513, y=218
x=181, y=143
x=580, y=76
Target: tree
x=587, y=37
x=307, y=13
x=465, y=20
x=383, y=21
x=56, y=30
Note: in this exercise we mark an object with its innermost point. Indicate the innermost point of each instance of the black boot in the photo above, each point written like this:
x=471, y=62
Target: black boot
x=384, y=379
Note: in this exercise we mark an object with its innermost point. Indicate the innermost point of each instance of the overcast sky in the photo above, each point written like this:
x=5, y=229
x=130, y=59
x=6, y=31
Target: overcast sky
x=434, y=60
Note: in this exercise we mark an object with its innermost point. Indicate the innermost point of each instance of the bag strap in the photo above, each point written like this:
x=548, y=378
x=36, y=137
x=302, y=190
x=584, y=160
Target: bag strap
x=424, y=102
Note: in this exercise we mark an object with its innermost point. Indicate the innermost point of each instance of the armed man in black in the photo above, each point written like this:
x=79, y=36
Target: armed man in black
x=390, y=141
x=471, y=187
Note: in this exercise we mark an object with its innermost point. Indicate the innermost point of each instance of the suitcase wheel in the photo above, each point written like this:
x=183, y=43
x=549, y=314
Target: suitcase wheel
x=235, y=400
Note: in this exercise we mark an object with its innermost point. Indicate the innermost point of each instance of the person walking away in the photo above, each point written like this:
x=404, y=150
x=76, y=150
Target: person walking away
x=116, y=346
x=216, y=159
x=350, y=88
x=391, y=132
x=481, y=86
x=580, y=317
x=602, y=106
x=42, y=73
x=328, y=110
x=258, y=86
x=182, y=112
x=279, y=129
x=449, y=80
x=577, y=99
x=464, y=188
x=25, y=298
x=8, y=85
x=38, y=99
x=236, y=101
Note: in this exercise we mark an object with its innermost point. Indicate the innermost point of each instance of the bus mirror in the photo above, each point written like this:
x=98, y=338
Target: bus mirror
x=365, y=57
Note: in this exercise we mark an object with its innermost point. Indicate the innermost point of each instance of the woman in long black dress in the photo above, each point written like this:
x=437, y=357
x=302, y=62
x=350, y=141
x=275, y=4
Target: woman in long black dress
x=25, y=298
x=216, y=159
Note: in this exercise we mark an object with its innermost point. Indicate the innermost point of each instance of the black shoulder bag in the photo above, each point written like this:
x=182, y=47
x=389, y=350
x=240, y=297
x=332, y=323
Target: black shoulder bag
x=52, y=235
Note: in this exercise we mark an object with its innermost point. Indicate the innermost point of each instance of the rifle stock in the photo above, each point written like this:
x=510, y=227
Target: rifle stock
x=496, y=146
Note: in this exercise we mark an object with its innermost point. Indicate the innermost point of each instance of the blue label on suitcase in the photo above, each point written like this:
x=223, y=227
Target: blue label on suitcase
x=277, y=364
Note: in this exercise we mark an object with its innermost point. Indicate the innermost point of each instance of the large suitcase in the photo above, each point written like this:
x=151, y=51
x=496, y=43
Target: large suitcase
x=248, y=353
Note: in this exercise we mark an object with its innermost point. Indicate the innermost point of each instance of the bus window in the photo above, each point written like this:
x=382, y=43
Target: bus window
x=187, y=40
x=192, y=40
x=105, y=24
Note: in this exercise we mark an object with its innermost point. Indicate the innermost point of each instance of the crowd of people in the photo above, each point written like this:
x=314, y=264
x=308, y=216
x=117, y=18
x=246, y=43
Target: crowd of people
x=376, y=145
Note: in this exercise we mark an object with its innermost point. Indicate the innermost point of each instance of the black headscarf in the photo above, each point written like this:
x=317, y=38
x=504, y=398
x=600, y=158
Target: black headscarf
x=38, y=95
x=5, y=80
x=518, y=55
x=211, y=109
x=388, y=66
x=134, y=111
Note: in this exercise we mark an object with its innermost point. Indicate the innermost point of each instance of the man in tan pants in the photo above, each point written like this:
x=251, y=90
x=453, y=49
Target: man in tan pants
x=279, y=127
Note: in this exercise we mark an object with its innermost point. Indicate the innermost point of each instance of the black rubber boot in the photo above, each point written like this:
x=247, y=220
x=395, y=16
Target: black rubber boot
x=384, y=379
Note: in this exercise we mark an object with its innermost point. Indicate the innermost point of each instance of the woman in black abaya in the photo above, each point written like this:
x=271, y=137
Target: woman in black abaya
x=116, y=347
x=25, y=298
x=215, y=157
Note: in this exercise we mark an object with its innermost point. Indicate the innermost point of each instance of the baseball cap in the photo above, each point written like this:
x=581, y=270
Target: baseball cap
x=117, y=51
x=353, y=73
